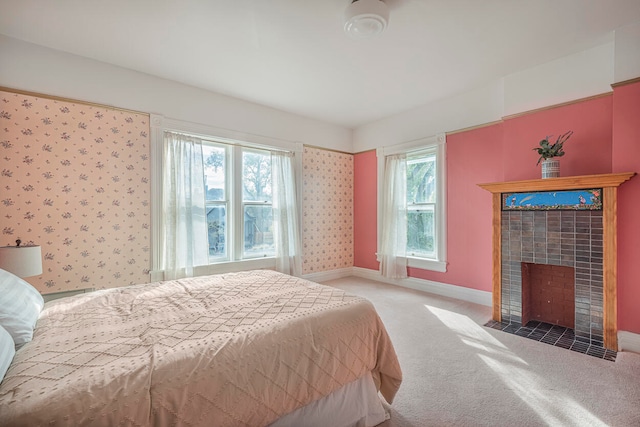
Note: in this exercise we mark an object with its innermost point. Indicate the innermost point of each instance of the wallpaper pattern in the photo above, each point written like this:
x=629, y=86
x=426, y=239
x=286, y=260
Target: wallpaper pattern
x=74, y=179
x=327, y=223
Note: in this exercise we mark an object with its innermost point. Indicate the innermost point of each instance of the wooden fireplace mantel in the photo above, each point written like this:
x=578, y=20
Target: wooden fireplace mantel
x=609, y=184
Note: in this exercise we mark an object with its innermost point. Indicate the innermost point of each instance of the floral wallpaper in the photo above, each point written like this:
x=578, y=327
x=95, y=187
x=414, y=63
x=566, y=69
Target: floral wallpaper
x=74, y=179
x=327, y=223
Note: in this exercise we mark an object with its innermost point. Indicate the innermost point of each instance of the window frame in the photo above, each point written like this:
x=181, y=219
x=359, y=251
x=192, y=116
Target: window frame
x=235, y=201
x=158, y=125
x=240, y=203
x=424, y=206
x=227, y=202
x=437, y=146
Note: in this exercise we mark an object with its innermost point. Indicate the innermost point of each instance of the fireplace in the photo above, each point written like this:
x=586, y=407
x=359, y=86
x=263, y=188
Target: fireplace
x=552, y=265
x=584, y=240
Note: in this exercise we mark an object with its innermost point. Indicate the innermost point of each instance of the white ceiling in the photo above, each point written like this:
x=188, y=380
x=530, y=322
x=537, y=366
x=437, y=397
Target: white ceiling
x=293, y=55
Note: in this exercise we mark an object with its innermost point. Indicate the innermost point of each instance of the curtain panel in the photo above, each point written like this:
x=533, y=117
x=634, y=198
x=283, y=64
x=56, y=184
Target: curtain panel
x=393, y=243
x=185, y=237
x=285, y=214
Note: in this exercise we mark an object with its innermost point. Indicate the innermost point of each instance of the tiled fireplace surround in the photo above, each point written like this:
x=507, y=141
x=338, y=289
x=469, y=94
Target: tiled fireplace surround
x=560, y=238
x=564, y=238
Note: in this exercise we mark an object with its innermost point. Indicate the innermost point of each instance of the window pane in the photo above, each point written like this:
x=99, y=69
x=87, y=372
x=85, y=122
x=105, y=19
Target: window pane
x=258, y=231
x=420, y=232
x=214, y=171
x=421, y=179
x=217, y=225
x=256, y=176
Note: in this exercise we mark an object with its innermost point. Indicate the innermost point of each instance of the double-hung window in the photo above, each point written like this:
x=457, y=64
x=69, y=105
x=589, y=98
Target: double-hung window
x=239, y=211
x=222, y=203
x=424, y=176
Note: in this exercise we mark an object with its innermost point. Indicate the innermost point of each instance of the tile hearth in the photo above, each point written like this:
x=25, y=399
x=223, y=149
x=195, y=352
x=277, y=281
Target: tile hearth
x=555, y=335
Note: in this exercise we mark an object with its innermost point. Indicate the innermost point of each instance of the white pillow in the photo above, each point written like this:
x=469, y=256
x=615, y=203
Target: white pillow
x=7, y=351
x=20, y=306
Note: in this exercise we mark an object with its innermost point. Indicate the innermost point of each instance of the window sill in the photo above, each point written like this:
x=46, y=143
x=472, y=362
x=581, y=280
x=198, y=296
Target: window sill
x=424, y=264
x=427, y=264
x=233, y=266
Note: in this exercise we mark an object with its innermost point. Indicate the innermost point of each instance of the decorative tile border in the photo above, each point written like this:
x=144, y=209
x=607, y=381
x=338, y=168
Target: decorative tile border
x=576, y=200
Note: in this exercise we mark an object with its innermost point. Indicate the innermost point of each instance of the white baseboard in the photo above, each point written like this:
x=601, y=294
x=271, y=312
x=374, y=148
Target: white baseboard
x=451, y=291
x=323, y=276
x=444, y=289
x=628, y=341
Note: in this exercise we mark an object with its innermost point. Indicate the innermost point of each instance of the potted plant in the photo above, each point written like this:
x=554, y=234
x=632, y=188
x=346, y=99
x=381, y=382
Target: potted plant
x=549, y=152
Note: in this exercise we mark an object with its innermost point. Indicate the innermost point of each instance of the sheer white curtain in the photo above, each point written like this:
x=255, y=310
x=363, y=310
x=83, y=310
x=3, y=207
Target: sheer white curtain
x=185, y=237
x=285, y=214
x=393, y=243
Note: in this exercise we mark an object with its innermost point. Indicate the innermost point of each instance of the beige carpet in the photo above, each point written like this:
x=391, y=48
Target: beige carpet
x=459, y=373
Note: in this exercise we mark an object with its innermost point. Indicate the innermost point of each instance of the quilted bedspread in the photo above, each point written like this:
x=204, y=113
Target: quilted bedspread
x=237, y=349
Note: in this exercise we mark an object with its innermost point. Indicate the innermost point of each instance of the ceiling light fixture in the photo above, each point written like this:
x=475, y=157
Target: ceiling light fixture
x=365, y=18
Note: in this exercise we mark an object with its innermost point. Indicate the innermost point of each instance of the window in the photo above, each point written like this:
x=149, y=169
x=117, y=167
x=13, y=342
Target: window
x=425, y=201
x=246, y=192
x=222, y=201
x=257, y=210
x=217, y=201
x=421, y=205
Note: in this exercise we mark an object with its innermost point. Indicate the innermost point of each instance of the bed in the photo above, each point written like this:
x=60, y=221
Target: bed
x=252, y=348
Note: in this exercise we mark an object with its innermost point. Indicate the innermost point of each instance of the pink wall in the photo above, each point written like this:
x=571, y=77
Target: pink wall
x=473, y=157
x=365, y=210
x=588, y=151
x=504, y=152
x=626, y=158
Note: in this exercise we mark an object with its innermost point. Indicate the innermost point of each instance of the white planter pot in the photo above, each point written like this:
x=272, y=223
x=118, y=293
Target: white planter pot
x=550, y=168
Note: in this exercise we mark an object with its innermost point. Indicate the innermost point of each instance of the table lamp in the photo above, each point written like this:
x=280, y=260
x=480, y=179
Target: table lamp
x=23, y=261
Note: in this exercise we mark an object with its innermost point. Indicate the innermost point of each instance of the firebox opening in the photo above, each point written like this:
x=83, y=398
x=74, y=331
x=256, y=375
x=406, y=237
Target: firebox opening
x=548, y=294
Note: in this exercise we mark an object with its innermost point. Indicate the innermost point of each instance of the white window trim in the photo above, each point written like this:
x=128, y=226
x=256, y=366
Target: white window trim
x=158, y=125
x=239, y=204
x=439, y=142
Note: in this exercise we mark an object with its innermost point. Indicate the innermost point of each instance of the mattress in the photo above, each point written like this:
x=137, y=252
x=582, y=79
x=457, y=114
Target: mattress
x=227, y=350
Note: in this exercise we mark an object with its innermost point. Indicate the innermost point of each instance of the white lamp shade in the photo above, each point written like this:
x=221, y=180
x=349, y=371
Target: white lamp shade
x=23, y=261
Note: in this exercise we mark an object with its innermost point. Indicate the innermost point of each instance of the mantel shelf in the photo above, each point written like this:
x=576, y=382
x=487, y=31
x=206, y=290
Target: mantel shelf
x=562, y=183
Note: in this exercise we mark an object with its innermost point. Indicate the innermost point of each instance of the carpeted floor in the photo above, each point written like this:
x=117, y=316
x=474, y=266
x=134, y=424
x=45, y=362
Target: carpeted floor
x=459, y=373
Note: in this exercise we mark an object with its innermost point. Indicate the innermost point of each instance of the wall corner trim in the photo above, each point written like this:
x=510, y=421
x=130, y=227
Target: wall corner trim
x=626, y=82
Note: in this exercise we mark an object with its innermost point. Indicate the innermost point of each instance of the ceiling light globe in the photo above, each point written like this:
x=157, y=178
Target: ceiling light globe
x=366, y=18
